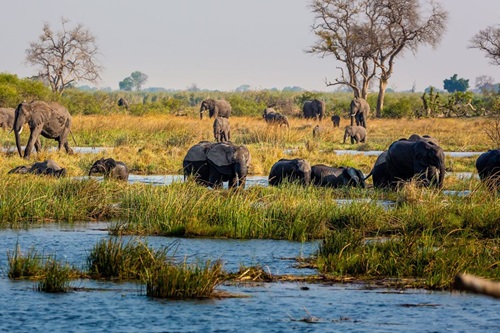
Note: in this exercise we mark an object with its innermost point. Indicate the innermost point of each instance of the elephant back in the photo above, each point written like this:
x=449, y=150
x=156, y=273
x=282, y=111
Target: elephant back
x=198, y=152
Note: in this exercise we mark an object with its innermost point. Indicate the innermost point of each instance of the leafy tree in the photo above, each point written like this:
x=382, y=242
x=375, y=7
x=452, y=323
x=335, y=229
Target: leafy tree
x=127, y=84
x=65, y=57
x=455, y=84
x=488, y=41
x=368, y=35
x=242, y=88
x=138, y=79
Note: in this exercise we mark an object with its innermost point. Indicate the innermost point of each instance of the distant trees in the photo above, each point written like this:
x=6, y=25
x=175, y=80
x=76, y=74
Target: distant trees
x=133, y=82
x=368, y=35
x=65, y=57
x=488, y=41
x=455, y=84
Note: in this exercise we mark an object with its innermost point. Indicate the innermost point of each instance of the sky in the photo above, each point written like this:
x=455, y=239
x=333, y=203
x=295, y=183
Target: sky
x=223, y=44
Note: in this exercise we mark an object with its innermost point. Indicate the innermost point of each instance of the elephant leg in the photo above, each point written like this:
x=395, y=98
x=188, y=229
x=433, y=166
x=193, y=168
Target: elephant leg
x=33, y=139
x=352, y=140
x=38, y=145
x=215, y=178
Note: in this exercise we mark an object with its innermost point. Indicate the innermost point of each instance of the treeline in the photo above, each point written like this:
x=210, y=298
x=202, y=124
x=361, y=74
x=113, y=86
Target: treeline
x=14, y=90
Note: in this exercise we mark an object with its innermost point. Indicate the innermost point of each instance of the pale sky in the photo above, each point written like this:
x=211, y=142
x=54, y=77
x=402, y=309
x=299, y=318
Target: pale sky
x=223, y=44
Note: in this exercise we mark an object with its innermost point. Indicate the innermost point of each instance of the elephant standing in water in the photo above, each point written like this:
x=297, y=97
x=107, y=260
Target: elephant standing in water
x=357, y=133
x=216, y=108
x=275, y=118
x=48, y=168
x=7, y=116
x=406, y=159
x=326, y=176
x=488, y=167
x=359, y=110
x=290, y=170
x=314, y=109
x=51, y=120
x=110, y=169
x=212, y=164
x=221, y=129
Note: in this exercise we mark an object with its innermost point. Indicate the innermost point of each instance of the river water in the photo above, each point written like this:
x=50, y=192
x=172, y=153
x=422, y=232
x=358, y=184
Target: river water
x=267, y=307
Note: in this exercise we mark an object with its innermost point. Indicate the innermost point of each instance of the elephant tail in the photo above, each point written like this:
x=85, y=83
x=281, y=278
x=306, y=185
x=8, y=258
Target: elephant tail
x=369, y=175
x=76, y=144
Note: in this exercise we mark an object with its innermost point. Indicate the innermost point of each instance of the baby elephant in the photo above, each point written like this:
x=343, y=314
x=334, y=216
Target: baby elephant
x=336, y=120
x=357, y=133
x=48, y=168
x=326, y=176
x=221, y=129
x=110, y=169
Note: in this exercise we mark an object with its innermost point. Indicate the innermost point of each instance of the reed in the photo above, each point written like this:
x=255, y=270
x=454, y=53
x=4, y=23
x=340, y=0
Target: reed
x=181, y=281
x=57, y=277
x=24, y=266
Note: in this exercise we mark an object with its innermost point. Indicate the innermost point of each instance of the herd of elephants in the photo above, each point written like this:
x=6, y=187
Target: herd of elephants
x=213, y=163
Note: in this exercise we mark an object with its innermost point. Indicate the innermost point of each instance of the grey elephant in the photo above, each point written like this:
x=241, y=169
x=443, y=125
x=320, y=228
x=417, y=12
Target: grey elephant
x=214, y=164
x=195, y=162
x=356, y=133
x=326, y=176
x=336, y=120
x=216, y=108
x=122, y=102
x=48, y=168
x=275, y=118
x=359, y=110
x=428, y=138
x=110, y=168
x=314, y=109
x=488, y=167
x=294, y=170
x=7, y=116
x=221, y=129
x=51, y=120
x=406, y=159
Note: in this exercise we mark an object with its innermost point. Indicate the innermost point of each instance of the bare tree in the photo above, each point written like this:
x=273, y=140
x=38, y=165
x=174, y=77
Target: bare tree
x=488, y=40
x=65, y=57
x=368, y=35
x=400, y=25
x=341, y=29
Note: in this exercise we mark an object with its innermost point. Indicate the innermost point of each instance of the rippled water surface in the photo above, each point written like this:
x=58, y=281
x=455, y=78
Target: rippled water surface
x=268, y=307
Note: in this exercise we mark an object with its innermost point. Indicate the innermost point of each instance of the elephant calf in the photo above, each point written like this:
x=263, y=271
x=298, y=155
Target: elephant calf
x=325, y=176
x=47, y=168
x=275, y=118
x=357, y=133
x=336, y=120
x=110, y=169
x=7, y=118
x=221, y=129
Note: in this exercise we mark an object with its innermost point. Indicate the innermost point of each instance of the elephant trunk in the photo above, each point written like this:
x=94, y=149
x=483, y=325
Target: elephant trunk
x=241, y=171
x=441, y=175
x=18, y=126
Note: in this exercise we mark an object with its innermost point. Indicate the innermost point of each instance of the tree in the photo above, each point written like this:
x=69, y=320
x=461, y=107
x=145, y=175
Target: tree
x=368, y=35
x=134, y=81
x=65, y=57
x=488, y=40
x=455, y=84
x=127, y=84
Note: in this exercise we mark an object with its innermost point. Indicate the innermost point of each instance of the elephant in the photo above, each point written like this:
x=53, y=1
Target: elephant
x=359, y=110
x=7, y=116
x=406, y=159
x=110, y=169
x=296, y=170
x=275, y=118
x=313, y=109
x=48, y=168
x=326, y=176
x=51, y=120
x=221, y=129
x=488, y=167
x=357, y=133
x=336, y=120
x=215, y=163
x=216, y=108
x=123, y=102
x=416, y=137
x=316, y=132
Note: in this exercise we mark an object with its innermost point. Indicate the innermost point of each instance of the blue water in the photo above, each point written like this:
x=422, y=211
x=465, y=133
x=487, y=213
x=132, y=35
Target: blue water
x=268, y=307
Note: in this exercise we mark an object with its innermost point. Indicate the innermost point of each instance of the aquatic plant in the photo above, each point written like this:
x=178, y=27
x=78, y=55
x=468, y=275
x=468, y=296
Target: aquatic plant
x=56, y=278
x=24, y=266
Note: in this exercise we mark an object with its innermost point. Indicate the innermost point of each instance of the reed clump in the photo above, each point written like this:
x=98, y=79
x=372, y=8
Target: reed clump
x=57, y=277
x=24, y=266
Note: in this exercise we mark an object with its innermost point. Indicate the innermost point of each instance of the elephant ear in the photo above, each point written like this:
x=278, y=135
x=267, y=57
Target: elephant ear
x=39, y=112
x=110, y=163
x=221, y=154
x=198, y=152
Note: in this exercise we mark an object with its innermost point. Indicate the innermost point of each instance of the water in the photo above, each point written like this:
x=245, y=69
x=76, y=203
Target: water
x=268, y=307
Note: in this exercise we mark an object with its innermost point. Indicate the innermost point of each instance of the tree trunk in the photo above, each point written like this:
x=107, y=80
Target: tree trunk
x=381, y=95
